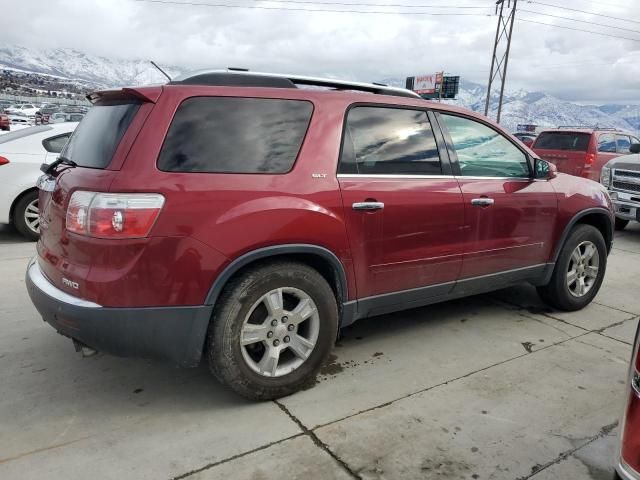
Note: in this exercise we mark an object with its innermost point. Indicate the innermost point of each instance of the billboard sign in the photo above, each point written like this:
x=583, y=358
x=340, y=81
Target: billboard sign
x=427, y=84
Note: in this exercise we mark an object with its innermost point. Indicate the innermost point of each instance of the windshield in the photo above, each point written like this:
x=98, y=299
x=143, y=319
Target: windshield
x=8, y=137
x=576, y=142
x=95, y=140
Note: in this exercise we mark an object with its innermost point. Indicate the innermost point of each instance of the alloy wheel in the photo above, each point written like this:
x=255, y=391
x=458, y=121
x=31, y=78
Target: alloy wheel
x=583, y=269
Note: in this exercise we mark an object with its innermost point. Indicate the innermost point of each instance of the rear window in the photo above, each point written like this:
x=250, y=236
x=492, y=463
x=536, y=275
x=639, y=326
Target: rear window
x=576, y=142
x=235, y=135
x=97, y=136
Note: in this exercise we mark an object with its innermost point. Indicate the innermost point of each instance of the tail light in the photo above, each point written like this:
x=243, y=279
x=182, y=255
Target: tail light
x=4, y=161
x=591, y=158
x=113, y=215
x=630, y=448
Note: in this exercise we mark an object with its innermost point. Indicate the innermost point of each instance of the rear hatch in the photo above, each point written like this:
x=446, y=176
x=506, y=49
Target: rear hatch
x=567, y=150
x=92, y=159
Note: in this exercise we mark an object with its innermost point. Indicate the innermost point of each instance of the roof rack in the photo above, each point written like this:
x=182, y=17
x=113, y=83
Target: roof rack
x=244, y=78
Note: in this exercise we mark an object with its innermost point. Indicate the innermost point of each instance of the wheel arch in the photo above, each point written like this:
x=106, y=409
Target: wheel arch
x=600, y=218
x=323, y=260
x=19, y=197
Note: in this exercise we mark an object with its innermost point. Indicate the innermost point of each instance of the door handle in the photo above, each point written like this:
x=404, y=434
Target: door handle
x=367, y=206
x=482, y=202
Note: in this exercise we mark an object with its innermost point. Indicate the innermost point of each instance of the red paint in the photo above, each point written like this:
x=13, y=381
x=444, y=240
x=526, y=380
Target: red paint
x=428, y=233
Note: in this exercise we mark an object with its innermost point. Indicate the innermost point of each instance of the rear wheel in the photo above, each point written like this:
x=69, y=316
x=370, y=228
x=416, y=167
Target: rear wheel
x=26, y=216
x=579, y=271
x=621, y=223
x=272, y=330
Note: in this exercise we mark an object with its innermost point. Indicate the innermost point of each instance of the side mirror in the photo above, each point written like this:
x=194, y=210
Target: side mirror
x=634, y=148
x=544, y=169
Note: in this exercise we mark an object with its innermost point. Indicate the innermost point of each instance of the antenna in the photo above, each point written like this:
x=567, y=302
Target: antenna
x=161, y=70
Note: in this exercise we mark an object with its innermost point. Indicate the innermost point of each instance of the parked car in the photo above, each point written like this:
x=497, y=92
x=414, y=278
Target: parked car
x=21, y=154
x=19, y=119
x=5, y=124
x=582, y=151
x=628, y=465
x=621, y=176
x=237, y=215
x=45, y=113
x=26, y=109
x=526, y=137
x=59, y=117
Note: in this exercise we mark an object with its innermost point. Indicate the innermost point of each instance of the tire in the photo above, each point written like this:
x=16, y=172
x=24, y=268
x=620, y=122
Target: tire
x=621, y=223
x=20, y=222
x=558, y=292
x=243, y=302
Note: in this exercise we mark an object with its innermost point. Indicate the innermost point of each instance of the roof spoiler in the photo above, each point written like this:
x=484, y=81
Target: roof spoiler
x=143, y=94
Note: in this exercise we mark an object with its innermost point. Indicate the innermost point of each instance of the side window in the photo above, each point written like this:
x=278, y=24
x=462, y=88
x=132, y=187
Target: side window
x=382, y=140
x=607, y=143
x=55, y=144
x=623, y=143
x=235, y=135
x=482, y=151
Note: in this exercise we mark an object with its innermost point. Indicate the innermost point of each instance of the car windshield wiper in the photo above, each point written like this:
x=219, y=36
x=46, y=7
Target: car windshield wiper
x=47, y=168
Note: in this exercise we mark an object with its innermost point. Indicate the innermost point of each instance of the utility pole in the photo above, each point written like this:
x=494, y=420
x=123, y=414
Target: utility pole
x=499, y=66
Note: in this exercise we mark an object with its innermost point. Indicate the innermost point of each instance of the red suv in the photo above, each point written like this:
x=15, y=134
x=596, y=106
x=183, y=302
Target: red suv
x=582, y=151
x=247, y=217
x=628, y=465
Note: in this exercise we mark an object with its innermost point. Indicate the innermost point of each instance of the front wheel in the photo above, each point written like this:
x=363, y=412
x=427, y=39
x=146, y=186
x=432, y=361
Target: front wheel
x=579, y=271
x=272, y=330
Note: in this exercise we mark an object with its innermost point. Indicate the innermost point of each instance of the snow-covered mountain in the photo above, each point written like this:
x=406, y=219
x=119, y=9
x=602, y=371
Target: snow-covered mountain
x=90, y=71
x=86, y=69
x=524, y=107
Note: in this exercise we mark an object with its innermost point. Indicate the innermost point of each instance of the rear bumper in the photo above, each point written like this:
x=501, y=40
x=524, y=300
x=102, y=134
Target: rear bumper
x=626, y=473
x=176, y=334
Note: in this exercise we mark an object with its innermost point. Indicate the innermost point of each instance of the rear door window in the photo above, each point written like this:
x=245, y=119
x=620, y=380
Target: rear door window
x=382, y=140
x=607, y=143
x=572, y=141
x=96, y=138
x=624, y=144
x=235, y=135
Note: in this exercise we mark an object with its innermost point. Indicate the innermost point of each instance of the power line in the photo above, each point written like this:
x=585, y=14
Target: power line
x=579, y=21
x=578, y=30
x=582, y=11
x=260, y=7
x=379, y=5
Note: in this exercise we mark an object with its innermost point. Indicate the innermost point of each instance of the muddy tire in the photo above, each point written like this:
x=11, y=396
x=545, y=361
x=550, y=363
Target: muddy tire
x=579, y=271
x=273, y=328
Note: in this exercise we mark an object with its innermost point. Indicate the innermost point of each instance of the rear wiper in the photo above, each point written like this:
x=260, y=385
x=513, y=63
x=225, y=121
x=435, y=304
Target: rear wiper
x=47, y=168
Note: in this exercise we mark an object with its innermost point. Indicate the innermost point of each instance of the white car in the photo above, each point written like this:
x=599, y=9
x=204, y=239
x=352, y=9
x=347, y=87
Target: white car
x=26, y=109
x=21, y=154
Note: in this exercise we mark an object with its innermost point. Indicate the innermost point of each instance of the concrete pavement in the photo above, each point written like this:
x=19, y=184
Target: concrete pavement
x=491, y=387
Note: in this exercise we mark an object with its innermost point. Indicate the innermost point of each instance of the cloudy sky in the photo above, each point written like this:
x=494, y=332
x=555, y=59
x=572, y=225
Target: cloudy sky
x=357, y=39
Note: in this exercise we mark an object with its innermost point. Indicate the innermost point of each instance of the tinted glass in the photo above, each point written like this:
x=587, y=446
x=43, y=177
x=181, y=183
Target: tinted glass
x=389, y=141
x=7, y=137
x=623, y=143
x=484, y=152
x=55, y=144
x=607, y=143
x=575, y=142
x=96, y=138
x=235, y=135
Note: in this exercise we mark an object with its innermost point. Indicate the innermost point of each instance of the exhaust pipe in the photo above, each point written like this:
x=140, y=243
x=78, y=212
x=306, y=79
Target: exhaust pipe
x=85, y=350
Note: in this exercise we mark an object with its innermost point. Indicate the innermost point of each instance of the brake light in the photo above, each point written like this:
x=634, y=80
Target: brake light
x=113, y=215
x=630, y=450
x=4, y=161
